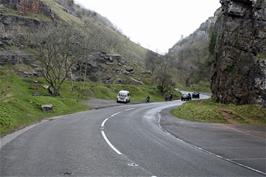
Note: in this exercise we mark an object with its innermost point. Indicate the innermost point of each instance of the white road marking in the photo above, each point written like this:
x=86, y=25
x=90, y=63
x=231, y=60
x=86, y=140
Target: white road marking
x=110, y=144
x=260, y=158
x=103, y=123
x=208, y=152
x=220, y=157
x=105, y=137
x=115, y=114
x=130, y=109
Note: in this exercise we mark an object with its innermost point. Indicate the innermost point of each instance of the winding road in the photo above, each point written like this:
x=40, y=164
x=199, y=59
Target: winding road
x=129, y=140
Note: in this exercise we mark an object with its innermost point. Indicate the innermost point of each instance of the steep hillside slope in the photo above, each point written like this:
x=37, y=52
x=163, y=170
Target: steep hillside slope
x=18, y=17
x=191, y=54
x=239, y=74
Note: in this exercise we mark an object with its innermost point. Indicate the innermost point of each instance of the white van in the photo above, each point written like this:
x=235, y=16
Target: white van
x=123, y=96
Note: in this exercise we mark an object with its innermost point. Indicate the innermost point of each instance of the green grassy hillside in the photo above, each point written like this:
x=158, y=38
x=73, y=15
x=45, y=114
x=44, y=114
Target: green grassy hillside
x=100, y=34
x=209, y=111
x=101, y=30
x=19, y=108
x=21, y=98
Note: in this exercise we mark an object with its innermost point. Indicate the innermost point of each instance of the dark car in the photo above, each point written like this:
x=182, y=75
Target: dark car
x=196, y=95
x=186, y=97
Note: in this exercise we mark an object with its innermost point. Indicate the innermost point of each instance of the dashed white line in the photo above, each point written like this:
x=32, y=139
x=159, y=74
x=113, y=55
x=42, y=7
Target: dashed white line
x=130, y=109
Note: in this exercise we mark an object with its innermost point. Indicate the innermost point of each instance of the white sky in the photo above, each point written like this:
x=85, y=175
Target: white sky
x=155, y=24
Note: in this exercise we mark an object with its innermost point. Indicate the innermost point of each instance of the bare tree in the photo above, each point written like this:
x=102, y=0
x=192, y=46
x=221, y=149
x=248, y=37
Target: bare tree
x=162, y=76
x=58, y=48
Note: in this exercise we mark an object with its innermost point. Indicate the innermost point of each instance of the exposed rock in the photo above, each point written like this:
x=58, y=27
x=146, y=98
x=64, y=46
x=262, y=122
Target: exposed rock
x=101, y=66
x=29, y=6
x=47, y=108
x=29, y=74
x=15, y=57
x=238, y=74
x=130, y=69
x=119, y=81
x=135, y=81
x=126, y=72
x=30, y=15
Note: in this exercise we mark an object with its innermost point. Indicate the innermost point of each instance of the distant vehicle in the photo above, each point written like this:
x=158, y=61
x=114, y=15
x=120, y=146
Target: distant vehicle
x=123, y=96
x=186, y=97
x=196, y=95
x=148, y=99
x=168, y=97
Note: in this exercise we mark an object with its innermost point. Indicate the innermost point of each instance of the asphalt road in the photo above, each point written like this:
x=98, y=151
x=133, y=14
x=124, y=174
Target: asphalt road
x=117, y=141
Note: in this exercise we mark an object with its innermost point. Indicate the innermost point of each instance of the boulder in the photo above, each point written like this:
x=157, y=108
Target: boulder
x=135, y=81
x=130, y=69
x=47, y=108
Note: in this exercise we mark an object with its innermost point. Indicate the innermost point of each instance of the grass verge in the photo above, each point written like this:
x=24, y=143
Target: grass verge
x=21, y=98
x=19, y=108
x=200, y=87
x=210, y=111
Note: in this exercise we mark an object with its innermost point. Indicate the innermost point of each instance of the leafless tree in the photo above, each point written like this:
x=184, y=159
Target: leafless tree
x=58, y=48
x=162, y=76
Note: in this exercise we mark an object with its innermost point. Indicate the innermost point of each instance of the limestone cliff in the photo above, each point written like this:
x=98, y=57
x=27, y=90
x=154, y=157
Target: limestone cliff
x=239, y=70
x=115, y=59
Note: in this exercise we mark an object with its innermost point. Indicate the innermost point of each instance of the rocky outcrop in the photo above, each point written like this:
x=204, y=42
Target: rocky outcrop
x=15, y=58
x=29, y=6
x=18, y=18
x=239, y=71
x=12, y=39
x=106, y=68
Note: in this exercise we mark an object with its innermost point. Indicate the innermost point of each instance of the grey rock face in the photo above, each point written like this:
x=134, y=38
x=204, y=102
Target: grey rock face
x=239, y=70
x=31, y=6
x=104, y=67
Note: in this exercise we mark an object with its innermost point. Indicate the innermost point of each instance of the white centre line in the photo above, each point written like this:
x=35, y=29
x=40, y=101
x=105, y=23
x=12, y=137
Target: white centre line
x=130, y=109
x=115, y=114
x=105, y=137
x=103, y=123
x=110, y=144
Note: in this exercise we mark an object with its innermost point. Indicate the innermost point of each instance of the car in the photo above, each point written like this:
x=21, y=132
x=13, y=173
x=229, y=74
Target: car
x=123, y=96
x=186, y=97
x=196, y=95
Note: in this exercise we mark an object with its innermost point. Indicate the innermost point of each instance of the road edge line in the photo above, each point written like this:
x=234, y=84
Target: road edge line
x=209, y=152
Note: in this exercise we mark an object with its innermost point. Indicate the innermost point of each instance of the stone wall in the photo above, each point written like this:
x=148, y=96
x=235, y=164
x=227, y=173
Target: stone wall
x=239, y=71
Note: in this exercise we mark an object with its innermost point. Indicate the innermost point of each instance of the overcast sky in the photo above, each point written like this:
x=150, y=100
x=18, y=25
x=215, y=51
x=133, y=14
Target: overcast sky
x=155, y=24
